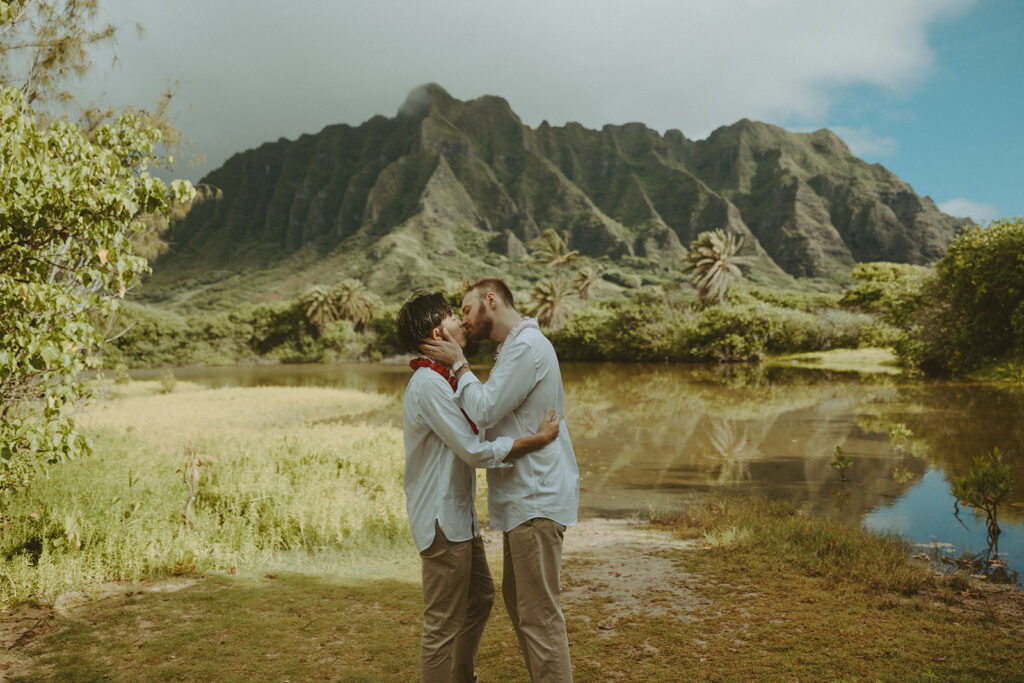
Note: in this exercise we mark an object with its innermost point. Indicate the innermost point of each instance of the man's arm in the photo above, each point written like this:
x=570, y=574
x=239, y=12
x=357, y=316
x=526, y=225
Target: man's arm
x=509, y=383
x=546, y=433
x=444, y=418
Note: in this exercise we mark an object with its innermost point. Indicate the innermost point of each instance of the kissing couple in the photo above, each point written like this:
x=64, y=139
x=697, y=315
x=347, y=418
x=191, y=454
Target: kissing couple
x=513, y=426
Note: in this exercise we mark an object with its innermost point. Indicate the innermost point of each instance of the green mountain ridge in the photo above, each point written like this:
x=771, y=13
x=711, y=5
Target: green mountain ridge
x=449, y=189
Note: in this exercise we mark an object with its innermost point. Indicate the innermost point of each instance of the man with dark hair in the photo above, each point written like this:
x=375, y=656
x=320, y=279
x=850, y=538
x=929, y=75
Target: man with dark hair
x=441, y=448
x=534, y=502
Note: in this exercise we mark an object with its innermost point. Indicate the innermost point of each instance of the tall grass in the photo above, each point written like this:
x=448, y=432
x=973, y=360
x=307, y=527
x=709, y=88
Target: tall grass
x=280, y=469
x=764, y=534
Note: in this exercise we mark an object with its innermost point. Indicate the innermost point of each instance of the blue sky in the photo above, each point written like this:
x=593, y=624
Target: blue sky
x=931, y=89
x=958, y=135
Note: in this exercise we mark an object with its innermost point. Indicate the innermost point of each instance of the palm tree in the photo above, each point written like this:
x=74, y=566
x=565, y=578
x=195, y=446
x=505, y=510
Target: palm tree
x=319, y=307
x=586, y=280
x=712, y=263
x=354, y=302
x=552, y=249
x=549, y=302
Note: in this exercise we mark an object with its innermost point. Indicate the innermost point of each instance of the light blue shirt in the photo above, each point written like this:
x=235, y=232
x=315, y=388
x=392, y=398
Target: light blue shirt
x=524, y=385
x=441, y=451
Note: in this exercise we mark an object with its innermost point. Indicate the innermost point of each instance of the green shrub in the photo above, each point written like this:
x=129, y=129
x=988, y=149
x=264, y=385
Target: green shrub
x=638, y=329
x=384, y=332
x=167, y=382
x=121, y=375
x=891, y=290
x=728, y=333
x=151, y=337
x=972, y=312
x=275, y=325
x=786, y=298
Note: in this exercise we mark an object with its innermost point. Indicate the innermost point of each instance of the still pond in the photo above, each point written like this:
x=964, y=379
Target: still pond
x=659, y=436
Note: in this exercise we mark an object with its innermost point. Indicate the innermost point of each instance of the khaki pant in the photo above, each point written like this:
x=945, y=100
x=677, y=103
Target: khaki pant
x=530, y=586
x=458, y=593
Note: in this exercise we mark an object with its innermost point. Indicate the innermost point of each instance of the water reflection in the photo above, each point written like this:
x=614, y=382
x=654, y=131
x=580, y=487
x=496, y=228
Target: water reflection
x=645, y=435
x=925, y=514
x=660, y=435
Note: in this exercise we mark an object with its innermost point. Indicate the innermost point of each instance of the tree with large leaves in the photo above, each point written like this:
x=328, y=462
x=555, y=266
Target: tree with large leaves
x=69, y=207
x=549, y=302
x=73, y=198
x=319, y=306
x=587, y=279
x=354, y=302
x=712, y=263
x=552, y=249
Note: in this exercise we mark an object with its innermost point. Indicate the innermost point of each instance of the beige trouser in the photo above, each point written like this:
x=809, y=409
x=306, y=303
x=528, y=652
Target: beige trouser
x=533, y=556
x=458, y=593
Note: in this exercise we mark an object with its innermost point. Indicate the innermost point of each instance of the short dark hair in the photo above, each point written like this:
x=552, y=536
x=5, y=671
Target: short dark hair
x=419, y=316
x=491, y=284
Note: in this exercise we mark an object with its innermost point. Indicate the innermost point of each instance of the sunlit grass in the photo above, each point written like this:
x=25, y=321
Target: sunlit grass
x=868, y=360
x=284, y=472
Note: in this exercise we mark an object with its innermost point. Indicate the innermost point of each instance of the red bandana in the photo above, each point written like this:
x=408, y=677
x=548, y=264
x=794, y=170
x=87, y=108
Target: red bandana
x=441, y=369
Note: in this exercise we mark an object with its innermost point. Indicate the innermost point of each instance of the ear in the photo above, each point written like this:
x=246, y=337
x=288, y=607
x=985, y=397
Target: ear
x=492, y=300
x=436, y=333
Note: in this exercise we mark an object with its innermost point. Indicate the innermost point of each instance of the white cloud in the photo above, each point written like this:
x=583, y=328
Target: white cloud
x=863, y=143
x=964, y=208
x=259, y=70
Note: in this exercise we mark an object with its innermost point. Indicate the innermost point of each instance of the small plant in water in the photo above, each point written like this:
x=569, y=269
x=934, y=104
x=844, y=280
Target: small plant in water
x=840, y=461
x=986, y=486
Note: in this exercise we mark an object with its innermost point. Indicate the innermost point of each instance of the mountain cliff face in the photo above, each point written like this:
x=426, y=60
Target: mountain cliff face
x=446, y=179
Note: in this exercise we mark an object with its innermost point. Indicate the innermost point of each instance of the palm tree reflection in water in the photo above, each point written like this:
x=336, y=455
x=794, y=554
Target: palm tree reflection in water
x=728, y=450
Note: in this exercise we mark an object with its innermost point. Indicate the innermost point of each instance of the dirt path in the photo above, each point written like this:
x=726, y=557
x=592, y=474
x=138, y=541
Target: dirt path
x=625, y=565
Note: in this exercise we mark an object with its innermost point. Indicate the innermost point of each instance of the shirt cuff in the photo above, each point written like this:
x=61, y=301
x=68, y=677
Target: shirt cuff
x=503, y=444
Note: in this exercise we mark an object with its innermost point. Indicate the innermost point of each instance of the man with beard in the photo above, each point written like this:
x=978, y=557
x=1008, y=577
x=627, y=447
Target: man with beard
x=536, y=500
x=441, y=448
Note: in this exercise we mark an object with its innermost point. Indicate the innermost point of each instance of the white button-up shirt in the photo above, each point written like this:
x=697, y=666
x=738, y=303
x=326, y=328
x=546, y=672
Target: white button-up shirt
x=524, y=385
x=440, y=453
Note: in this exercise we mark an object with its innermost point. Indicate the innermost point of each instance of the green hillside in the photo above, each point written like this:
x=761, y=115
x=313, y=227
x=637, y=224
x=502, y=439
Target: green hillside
x=449, y=189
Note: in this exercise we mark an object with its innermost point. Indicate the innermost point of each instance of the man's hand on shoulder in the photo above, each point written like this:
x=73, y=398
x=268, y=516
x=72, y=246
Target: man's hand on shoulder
x=443, y=350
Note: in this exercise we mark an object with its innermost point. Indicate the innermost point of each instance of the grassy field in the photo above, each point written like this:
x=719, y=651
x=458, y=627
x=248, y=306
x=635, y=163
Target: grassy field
x=281, y=470
x=298, y=566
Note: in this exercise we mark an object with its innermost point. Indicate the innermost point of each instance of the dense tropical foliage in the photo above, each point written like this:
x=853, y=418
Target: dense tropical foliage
x=69, y=207
x=79, y=212
x=972, y=311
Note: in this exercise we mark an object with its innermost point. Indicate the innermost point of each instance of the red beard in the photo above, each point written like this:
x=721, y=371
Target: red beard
x=482, y=330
